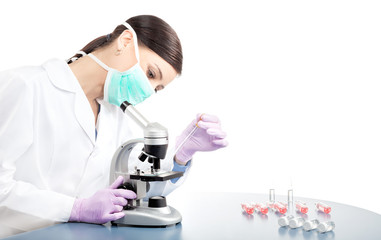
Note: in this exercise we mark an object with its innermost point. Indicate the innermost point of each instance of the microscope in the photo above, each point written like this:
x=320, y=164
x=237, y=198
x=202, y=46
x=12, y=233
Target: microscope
x=155, y=212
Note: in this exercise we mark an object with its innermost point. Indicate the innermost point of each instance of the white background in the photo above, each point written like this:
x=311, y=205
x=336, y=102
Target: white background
x=296, y=85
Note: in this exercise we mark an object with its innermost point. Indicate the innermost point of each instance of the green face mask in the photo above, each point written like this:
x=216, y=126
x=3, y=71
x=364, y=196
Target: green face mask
x=132, y=85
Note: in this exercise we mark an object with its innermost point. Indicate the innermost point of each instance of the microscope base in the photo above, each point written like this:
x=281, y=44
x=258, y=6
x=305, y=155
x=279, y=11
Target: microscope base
x=144, y=216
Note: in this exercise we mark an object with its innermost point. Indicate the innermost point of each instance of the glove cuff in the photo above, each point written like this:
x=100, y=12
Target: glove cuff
x=184, y=156
x=75, y=211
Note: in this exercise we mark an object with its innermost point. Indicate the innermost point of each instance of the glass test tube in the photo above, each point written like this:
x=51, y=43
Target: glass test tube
x=270, y=205
x=301, y=206
x=290, y=196
x=296, y=222
x=323, y=207
x=310, y=225
x=272, y=195
x=284, y=221
x=326, y=227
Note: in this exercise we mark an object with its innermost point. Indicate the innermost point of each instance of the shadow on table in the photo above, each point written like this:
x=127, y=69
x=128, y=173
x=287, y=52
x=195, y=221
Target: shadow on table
x=13, y=222
x=85, y=231
x=298, y=232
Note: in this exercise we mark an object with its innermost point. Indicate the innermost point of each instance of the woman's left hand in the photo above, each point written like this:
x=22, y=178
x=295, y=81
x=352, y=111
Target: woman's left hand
x=207, y=137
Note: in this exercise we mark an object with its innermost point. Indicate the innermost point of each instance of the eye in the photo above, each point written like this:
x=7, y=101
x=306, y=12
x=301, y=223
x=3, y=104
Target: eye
x=150, y=74
x=158, y=88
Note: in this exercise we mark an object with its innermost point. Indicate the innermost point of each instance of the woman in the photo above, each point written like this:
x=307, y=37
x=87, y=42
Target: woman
x=60, y=124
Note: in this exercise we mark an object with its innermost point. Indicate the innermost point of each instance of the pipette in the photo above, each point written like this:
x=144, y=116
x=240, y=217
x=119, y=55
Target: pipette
x=188, y=136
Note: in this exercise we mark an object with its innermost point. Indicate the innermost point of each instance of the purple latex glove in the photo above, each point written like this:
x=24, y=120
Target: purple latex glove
x=207, y=137
x=104, y=206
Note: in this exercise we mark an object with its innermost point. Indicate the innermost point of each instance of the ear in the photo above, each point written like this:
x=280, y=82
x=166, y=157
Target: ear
x=125, y=38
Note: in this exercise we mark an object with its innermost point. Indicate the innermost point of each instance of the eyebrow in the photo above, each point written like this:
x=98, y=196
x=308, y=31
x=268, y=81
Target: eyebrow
x=161, y=74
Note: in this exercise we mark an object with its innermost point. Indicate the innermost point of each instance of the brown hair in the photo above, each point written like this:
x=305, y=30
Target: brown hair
x=152, y=32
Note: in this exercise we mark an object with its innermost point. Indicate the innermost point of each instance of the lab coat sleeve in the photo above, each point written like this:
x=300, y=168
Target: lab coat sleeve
x=166, y=187
x=179, y=168
x=16, y=136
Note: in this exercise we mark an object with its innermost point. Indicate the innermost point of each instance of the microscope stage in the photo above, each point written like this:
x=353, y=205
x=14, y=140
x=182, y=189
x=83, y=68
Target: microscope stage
x=158, y=177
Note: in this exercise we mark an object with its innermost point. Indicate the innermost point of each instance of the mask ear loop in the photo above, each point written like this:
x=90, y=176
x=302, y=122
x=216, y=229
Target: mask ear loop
x=107, y=68
x=128, y=26
x=73, y=59
x=82, y=53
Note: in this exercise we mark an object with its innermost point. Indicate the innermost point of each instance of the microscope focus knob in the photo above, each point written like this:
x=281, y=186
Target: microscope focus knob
x=127, y=186
x=157, y=202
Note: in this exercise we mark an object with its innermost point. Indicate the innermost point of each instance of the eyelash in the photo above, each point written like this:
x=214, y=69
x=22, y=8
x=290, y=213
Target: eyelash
x=150, y=74
x=158, y=88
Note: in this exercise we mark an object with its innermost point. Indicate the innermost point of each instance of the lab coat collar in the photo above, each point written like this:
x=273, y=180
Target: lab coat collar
x=63, y=78
x=61, y=75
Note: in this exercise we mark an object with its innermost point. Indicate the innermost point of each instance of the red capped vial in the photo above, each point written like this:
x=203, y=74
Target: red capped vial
x=323, y=207
x=280, y=207
x=270, y=205
x=301, y=206
x=248, y=208
x=243, y=206
x=262, y=208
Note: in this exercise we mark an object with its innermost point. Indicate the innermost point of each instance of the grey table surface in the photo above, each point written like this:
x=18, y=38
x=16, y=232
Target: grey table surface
x=219, y=216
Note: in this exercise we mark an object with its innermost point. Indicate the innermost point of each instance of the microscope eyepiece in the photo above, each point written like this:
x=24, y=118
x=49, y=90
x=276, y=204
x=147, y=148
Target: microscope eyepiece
x=124, y=105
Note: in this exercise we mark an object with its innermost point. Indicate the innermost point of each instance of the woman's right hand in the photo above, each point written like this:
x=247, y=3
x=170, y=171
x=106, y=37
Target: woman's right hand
x=104, y=206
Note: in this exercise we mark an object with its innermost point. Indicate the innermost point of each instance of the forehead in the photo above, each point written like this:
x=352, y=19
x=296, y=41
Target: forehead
x=150, y=58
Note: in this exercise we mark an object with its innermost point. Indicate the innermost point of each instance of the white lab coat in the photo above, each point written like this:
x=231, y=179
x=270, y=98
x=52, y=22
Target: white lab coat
x=49, y=154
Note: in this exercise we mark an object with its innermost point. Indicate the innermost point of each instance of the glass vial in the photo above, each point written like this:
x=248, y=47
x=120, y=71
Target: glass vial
x=284, y=221
x=310, y=225
x=296, y=222
x=272, y=195
x=280, y=207
x=326, y=226
x=301, y=206
x=290, y=196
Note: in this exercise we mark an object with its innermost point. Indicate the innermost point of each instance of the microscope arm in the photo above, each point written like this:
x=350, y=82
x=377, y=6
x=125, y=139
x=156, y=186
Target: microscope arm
x=119, y=164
